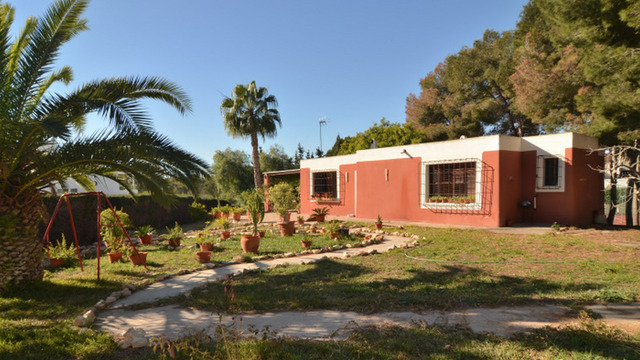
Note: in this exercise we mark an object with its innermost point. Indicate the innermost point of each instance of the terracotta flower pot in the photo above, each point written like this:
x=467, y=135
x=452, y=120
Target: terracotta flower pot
x=225, y=235
x=139, y=259
x=250, y=243
x=262, y=234
x=300, y=222
x=306, y=244
x=113, y=257
x=236, y=217
x=174, y=243
x=206, y=246
x=378, y=226
x=146, y=239
x=320, y=218
x=286, y=228
x=55, y=262
x=334, y=236
x=285, y=218
x=203, y=256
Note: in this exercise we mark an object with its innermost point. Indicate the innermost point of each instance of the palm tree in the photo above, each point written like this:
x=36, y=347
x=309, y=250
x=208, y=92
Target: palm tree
x=248, y=112
x=40, y=138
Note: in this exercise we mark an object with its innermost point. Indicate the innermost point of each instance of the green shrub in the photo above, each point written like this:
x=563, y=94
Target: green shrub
x=62, y=251
x=198, y=211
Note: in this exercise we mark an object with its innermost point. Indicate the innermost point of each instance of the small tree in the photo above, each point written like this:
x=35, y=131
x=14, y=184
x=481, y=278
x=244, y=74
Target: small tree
x=284, y=198
x=254, y=202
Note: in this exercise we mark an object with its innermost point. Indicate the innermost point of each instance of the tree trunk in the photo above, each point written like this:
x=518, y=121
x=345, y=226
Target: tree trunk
x=257, y=176
x=20, y=248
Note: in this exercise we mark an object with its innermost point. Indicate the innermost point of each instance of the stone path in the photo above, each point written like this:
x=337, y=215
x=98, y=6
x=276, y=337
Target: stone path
x=175, y=321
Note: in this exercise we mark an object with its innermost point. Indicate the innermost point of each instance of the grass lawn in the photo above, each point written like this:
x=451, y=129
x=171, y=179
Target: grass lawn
x=457, y=269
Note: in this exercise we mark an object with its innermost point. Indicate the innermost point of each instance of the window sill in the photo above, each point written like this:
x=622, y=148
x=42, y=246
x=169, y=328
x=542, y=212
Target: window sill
x=452, y=206
x=326, y=201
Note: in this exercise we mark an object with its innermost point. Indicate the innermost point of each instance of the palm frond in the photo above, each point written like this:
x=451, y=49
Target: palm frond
x=149, y=158
x=61, y=22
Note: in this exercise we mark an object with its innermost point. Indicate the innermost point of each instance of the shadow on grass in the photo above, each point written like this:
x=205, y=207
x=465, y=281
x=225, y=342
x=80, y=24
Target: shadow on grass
x=46, y=299
x=350, y=287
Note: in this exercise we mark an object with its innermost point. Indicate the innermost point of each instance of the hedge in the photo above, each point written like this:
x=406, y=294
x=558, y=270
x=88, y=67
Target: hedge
x=143, y=212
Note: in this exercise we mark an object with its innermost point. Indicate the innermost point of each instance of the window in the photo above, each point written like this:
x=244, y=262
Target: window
x=447, y=181
x=549, y=173
x=324, y=185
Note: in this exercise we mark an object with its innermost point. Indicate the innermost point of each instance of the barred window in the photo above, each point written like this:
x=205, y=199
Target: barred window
x=325, y=185
x=549, y=172
x=452, y=179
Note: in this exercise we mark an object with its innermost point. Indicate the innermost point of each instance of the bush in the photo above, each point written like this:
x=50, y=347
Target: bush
x=198, y=211
x=284, y=198
x=61, y=251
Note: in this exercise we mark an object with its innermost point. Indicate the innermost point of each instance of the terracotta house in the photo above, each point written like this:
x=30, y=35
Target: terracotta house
x=484, y=181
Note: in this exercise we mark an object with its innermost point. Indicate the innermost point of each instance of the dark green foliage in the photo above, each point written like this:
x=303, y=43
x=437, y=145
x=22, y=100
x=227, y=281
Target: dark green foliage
x=231, y=172
x=385, y=134
x=568, y=66
x=198, y=211
x=251, y=112
x=276, y=159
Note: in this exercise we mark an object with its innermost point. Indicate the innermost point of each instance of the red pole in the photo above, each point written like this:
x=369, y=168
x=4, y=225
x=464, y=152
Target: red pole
x=99, y=243
x=46, y=233
x=75, y=235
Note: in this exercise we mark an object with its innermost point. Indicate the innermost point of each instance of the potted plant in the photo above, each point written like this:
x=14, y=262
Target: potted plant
x=215, y=212
x=61, y=254
x=137, y=258
x=300, y=220
x=225, y=210
x=379, y=222
x=174, y=235
x=254, y=201
x=332, y=229
x=314, y=228
x=114, y=247
x=306, y=241
x=320, y=213
x=237, y=213
x=113, y=231
x=203, y=256
x=206, y=246
x=145, y=233
x=284, y=199
x=225, y=224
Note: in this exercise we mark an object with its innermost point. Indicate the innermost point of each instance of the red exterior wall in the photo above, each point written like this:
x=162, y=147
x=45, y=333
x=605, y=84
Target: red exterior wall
x=583, y=194
x=508, y=194
x=343, y=207
x=399, y=197
x=509, y=178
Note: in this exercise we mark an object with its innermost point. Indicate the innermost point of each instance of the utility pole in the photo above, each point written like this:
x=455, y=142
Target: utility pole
x=322, y=121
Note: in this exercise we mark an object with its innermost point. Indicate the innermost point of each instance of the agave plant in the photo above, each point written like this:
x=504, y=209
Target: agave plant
x=41, y=142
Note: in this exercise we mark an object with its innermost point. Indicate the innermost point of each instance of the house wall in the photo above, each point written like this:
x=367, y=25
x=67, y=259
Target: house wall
x=391, y=181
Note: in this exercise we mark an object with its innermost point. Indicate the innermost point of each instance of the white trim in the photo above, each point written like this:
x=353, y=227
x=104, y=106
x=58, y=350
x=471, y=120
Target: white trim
x=562, y=164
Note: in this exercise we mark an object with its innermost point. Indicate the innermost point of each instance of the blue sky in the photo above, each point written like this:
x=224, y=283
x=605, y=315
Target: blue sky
x=351, y=62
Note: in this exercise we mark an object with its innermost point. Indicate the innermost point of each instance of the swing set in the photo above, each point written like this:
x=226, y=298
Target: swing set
x=99, y=196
